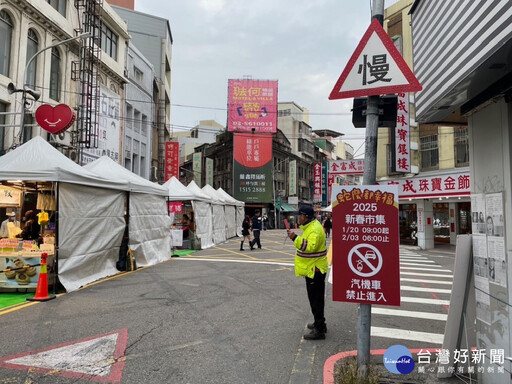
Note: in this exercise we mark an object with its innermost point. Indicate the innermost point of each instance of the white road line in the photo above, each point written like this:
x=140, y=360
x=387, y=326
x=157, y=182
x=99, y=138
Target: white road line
x=417, y=260
x=421, y=289
x=434, y=338
x=415, y=314
x=420, y=265
x=427, y=269
x=421, y=300
x=233, y=261
x=426, y=274
x=426, y=281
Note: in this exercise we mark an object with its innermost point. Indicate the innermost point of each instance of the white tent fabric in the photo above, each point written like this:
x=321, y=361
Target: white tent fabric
x=107, y=168
x=90, y=230
x=219, y=215
x=236, y=210
x=37, y=160
x=177, y=191
x=327, y=209
x=203, y=215
x=149, y=223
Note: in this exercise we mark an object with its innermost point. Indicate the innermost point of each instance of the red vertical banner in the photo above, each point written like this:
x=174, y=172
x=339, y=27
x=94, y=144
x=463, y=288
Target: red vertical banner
x=317, y=182
x=366, y=264
x=172, y=159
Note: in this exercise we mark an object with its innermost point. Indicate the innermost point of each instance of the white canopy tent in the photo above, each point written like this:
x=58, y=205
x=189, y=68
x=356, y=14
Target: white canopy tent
x=234, y=210
x=90, y=210
x=149, y=223
x=177, y=191
x=203, y=215
x=218, y=214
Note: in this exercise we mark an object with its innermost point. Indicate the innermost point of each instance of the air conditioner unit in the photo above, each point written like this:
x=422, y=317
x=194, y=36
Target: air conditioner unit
x=73, y=155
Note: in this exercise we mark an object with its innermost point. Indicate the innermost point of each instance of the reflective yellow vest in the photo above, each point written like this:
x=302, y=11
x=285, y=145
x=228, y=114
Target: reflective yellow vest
x=311, y=250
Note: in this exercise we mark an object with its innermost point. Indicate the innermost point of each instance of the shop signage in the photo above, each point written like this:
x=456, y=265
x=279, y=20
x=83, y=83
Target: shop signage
x=402, y=135
x=366, y=265
x=55, y=119
x=317, y=182
x=452, y=184
x=292, y=180
x=174, y=207
x=346, y=167
x=9, y=197
x=172, y=160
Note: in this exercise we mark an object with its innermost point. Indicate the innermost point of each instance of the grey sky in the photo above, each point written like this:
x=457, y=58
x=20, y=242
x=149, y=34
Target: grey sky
x=305, y=45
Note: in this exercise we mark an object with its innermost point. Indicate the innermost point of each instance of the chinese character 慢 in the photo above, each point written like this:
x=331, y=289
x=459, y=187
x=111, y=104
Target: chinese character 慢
x=378, y=69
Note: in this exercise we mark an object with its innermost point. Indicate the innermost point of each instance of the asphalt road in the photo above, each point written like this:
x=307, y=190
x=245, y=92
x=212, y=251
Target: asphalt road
x=217, y=316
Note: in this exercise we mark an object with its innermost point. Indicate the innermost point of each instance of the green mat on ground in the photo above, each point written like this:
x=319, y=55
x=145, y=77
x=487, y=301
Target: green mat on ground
x=8, y=299
x=183, y=252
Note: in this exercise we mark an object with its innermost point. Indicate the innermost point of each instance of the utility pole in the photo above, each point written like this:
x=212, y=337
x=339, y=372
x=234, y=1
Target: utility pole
x=369, y=178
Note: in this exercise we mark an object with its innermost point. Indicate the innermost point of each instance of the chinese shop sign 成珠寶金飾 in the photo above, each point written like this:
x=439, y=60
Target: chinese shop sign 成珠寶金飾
x=366, y=267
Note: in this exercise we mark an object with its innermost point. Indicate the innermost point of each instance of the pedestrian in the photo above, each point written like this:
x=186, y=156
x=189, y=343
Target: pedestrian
x=256, y=229
x=32, y=228
x=311, y=262
x=264, y=218
x=246, y=226
x=327, y=226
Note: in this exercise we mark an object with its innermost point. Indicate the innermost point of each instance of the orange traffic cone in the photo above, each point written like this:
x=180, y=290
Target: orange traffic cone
x=42, y=283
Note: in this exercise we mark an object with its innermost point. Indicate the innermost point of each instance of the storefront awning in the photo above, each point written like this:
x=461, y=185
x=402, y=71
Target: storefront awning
x=287, y=208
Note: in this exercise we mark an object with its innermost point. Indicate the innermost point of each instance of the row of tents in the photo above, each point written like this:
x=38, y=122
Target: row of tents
x=92, y=202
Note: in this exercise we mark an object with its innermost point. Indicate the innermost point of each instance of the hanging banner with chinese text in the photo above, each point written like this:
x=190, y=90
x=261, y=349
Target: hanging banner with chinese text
x=196, y=167
x=325, y=198
x=252, y=180
x=208, y=163
x=172, y=160
x=317, y=182
x=292, y=182
x=252, y=106
x=451, y=184
x=402, y=135
x=366, y=265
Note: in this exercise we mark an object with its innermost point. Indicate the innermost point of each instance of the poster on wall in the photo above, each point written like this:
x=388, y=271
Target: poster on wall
x=252, y=106
x=252, y=181
x=481, y=274
x=478, y=213
x=108, y=128
x=494, y=224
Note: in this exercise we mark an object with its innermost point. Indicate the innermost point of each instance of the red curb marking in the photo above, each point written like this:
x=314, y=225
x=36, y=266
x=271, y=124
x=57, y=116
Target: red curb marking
x=116, y=370
x=331, y=361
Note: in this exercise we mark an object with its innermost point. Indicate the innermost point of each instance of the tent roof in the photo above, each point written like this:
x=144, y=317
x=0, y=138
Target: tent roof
x=177, y=191
x=228, y=197
x=199, y=194
x=108, y=168
x=37, y=160
x=209, y=190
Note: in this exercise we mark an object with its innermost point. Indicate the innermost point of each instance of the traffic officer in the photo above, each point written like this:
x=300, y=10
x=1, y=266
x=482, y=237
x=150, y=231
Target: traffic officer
x=311, y=262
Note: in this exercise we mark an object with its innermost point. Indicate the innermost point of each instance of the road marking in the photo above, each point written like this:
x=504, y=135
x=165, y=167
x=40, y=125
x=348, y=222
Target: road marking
x=392, y=333
x=420, y=265
x=421, y=289
x=426, y=281
x=425, y=274
x=234, y=261
x=403, y=313
x=417, y=260
x=97, y=358
x=303, y=364
x=426, y=269
x=421, y=300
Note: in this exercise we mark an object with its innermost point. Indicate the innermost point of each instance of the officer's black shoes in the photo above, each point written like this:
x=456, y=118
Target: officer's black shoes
x=315, y=334
x=312, y=326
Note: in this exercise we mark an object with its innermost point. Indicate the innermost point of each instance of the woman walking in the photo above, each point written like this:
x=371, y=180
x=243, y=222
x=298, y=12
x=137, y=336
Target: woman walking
x=246, y=226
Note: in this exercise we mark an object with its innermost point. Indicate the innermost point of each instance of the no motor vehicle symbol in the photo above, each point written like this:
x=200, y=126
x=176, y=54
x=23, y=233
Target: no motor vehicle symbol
x=365, y=260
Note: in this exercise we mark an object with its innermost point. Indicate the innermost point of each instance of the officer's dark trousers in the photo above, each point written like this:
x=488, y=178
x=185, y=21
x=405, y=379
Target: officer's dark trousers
x=256, y=240
x=316, y=296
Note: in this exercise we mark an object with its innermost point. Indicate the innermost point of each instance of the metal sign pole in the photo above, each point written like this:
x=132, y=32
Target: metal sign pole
x=369, y=178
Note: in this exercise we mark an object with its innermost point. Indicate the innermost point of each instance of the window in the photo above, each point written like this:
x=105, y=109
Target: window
x=143, y=165
x=59, y=5
x=109, y=41
x=139, y=76
x=461, y=147
x=429, y=152
x=144, y=128
x=55, y=75
x=136, y=121
x=284, y=112
x=32, y=48
x=5, y=42
x=128, y=153
x=129, y=117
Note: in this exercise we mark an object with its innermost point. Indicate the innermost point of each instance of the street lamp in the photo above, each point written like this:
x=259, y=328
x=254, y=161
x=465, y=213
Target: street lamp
x=11, y=88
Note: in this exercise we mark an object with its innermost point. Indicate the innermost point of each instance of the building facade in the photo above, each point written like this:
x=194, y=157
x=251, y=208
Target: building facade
x=435, y=204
